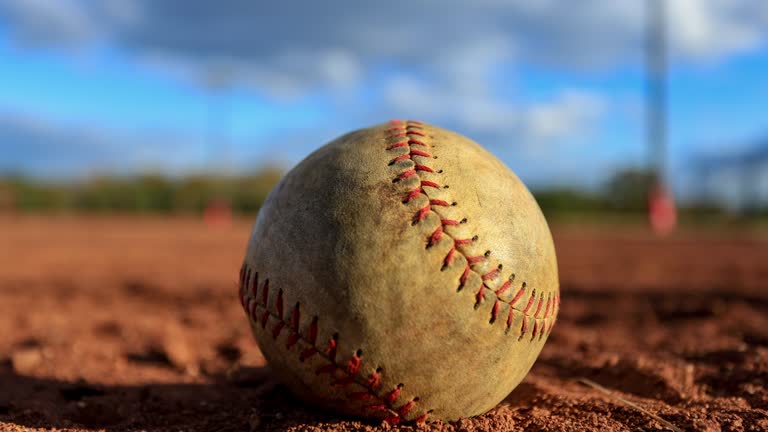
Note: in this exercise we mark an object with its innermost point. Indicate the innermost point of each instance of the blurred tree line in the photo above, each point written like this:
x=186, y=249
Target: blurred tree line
x=624, y=194
x=147, y=193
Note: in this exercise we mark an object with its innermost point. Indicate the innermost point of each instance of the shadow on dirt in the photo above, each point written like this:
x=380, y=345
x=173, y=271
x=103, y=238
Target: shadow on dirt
x=252, y=400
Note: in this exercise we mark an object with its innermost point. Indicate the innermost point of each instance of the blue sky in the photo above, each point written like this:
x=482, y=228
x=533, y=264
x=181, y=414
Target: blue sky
x=126, y=86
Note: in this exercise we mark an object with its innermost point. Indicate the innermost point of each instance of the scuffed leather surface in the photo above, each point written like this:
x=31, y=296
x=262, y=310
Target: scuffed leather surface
x=335, y=237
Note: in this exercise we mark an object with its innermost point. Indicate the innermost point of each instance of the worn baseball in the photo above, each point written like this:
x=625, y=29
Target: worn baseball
x=401, y=272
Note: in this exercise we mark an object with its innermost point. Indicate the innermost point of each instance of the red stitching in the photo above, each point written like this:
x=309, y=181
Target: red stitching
x=423, y=213
x=292, y=339
x=495, y=310
x=332, y=348
x=422, y=418
x=392, y=419
x=405, y=408
x=398, y=145
x=254, y=304
x=475, y=259
x=510, y=317
x=254, y=283
x=265, y=292
x=436, y=236
x=393, y=395
x=530, y=302
x=400, y=159
x=518, y=295
x=244, y=277
x=414, y=193
x=420, y=153
x=480, y=294
x=404, y=128
x=277, y=329
x=406, y=174
x=347, y=375
x=353, y=365
x=503, y=288
x=374, y=379
x=313, y=331
x=538, y=306
x=449, y=256
x=490, y=275
x=464, y=276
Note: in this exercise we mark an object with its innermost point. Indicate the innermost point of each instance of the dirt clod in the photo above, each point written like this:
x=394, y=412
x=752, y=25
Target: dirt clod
x=25, y=360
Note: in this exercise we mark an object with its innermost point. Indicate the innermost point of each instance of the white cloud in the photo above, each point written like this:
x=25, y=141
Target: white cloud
x=571, y=113
x=40, y=22
x=438, y=60
x=327, y=43
x=716, y=28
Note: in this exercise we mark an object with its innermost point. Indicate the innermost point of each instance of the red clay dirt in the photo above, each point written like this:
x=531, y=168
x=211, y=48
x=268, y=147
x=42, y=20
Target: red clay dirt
x=118, y=323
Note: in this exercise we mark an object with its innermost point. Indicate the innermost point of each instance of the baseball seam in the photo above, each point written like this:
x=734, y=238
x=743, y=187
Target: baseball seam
x=411, y=137
x=348, y=374
x=342, y=376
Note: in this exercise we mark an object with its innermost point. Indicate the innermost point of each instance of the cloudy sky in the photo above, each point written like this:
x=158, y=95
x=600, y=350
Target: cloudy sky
x=554, y=90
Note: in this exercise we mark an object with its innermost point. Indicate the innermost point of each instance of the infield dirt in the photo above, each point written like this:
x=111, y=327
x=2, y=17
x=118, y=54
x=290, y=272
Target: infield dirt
x=130, y=323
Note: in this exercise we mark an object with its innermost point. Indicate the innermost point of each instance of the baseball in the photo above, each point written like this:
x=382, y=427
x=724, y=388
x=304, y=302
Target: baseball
x=401, y=272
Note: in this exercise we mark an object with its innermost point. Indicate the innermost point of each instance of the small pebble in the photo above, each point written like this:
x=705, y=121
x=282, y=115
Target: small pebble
x=25, y=360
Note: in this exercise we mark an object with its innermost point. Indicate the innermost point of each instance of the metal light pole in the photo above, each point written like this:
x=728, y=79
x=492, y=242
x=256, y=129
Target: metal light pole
x=656, y=91
x=661, y=206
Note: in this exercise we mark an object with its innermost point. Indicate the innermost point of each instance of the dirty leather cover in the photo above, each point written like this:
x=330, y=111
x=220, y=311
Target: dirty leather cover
x=401, y=272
